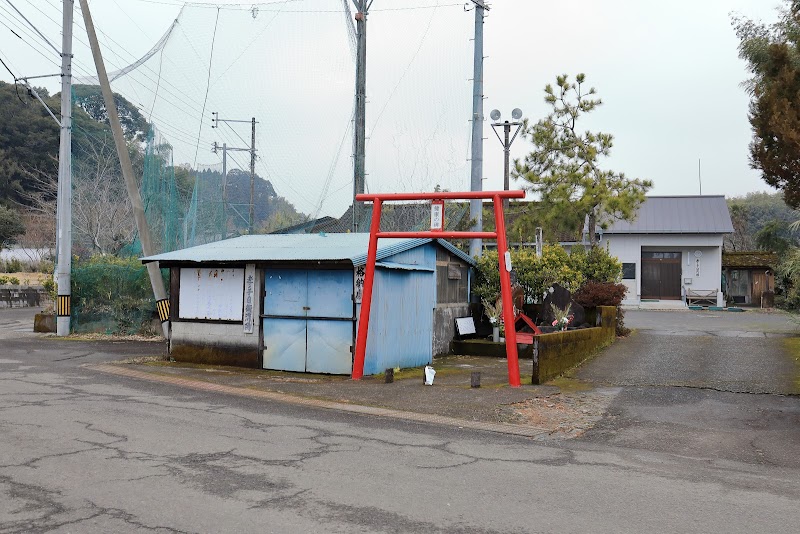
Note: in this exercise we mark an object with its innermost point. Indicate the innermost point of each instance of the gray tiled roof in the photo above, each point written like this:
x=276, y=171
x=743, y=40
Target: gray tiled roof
x=678, y=215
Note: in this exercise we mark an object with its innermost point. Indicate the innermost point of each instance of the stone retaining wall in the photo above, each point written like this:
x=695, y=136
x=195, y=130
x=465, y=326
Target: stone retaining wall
x=555, y=353
x=22, y=297
x=552, y=353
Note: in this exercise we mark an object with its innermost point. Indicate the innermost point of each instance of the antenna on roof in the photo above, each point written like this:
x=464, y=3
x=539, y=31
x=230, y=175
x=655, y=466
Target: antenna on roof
x=699, y=179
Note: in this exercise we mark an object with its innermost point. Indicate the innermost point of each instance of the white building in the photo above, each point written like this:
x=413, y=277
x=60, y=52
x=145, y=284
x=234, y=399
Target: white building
x=673, y=249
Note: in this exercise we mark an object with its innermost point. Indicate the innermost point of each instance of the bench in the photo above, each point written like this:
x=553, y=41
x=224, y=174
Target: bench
x=701, y=296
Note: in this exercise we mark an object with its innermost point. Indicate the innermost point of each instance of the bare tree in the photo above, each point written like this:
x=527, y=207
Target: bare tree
x=102, y=216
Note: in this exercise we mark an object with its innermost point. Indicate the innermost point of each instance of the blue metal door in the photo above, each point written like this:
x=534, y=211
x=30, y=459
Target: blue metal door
x=308, y=320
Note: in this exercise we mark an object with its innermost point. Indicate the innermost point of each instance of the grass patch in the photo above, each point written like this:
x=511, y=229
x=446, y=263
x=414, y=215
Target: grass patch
x=792, y=345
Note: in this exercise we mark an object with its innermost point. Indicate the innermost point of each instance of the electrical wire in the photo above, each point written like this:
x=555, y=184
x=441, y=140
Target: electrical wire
x=208, y=84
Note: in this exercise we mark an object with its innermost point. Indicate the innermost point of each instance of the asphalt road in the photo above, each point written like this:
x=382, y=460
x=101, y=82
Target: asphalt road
x=88, y=452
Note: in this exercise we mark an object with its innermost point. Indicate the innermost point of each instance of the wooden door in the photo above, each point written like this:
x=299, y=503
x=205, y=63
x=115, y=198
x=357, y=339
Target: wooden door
x=661, y=275
x=759, y=286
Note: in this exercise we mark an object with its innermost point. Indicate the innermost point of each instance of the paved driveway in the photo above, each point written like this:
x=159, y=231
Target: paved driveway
x=737, y=352
x=721, y=386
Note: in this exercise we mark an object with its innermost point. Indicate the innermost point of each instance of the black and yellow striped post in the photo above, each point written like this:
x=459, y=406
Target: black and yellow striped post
x=163, y=310
x=63, y=305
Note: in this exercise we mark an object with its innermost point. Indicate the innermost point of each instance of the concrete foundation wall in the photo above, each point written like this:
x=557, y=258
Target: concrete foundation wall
x=214, y=343
x=555, y=353
x=444, y=328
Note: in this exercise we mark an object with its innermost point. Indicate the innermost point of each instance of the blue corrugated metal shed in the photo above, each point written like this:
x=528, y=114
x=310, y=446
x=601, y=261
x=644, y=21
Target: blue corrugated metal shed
x=292, y=247
x=310, y=308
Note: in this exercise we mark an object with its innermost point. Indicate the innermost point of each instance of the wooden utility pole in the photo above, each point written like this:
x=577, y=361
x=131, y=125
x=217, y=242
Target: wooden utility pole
x=162, y=304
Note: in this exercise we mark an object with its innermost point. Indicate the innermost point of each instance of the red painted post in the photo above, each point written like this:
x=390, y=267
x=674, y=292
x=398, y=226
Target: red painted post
x=366, y=296
x=502, y=247
x=505, y=292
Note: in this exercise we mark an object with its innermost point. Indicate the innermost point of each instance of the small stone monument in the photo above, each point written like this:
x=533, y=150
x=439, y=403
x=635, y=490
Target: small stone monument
x=561, y=298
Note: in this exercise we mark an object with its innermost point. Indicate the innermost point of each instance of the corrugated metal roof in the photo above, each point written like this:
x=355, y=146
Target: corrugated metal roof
x=297, y=247
x=678, y=215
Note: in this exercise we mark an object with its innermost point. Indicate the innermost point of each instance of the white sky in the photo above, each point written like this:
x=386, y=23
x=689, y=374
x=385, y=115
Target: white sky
x=668, y=74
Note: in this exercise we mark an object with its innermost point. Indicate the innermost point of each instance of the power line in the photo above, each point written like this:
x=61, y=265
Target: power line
x=46, y=40
x=8, y=69
x=23, y=31
x=205, y=99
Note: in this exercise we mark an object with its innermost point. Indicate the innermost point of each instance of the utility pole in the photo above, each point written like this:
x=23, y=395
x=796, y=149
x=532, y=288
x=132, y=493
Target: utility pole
x=252, y=173
x=64, y=195
x=214, y=148
x=476, y=177
x=252, y=149
x=359, y=140
x=156, y=281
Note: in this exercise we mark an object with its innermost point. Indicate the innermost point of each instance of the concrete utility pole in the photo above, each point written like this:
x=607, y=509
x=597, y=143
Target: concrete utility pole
x=252, y=149
x=64, y=195
x=359, y=140
x=224, y=149
x=476, y=180
x=252, y=174
x=162, y=303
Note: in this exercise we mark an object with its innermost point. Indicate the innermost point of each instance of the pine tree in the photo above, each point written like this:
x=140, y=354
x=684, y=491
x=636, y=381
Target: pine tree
x=564, y=166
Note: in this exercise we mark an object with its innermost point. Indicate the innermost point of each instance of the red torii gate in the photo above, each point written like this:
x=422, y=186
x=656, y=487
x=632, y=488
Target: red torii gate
x=503, y=256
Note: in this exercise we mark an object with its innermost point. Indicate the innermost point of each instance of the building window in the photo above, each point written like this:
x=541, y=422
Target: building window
x=628, y=271
x=452, y=278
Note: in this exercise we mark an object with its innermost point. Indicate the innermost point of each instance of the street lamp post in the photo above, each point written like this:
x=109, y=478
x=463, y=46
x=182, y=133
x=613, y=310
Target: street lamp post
x=506, y=141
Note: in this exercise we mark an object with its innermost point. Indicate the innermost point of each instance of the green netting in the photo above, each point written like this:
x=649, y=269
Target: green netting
x=179, y=217
x=160, y=195
x=113, y=296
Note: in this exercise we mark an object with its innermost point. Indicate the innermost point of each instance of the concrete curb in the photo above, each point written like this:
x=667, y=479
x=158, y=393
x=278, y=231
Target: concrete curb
x=499, y=428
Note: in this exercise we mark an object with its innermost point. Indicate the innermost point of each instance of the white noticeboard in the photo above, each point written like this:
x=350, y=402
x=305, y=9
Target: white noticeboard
x=211, y=293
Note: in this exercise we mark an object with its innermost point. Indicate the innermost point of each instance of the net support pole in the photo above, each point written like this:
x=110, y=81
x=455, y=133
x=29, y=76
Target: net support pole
x=64, y=196
x=162, y=303
x=366, y=297
x=504, y=259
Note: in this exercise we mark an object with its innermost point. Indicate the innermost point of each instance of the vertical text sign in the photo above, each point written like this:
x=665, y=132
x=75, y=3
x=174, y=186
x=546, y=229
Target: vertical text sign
x=249, y=296
x=437, y=215
x=358, y=282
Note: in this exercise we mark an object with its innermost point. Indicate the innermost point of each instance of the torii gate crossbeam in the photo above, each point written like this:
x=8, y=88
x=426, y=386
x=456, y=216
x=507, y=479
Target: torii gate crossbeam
x=503, y=256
